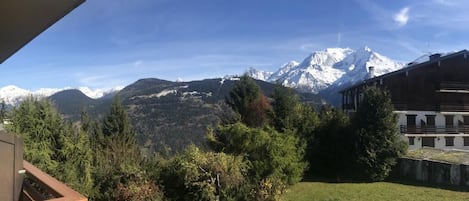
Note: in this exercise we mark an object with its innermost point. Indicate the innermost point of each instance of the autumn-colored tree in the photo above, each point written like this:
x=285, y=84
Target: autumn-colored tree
x=248, y=101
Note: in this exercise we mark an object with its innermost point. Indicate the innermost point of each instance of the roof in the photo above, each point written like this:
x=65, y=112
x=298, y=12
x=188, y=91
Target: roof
x=22, y=20
x=407, y=68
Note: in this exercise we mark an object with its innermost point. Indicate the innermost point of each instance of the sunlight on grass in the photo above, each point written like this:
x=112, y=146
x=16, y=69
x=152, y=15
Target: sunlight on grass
x=321, y=191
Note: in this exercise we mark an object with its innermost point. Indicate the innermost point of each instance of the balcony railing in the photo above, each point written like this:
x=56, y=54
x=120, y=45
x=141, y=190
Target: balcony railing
x=434, y=129
x=454, y=85
x=41, y=186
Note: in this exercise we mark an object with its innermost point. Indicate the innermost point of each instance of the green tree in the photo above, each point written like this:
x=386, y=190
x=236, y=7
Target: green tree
x=119, y=136
x=77, y=157
x=332, y=150
x=248, y=101
x=275, y=158
x=52, y=144
x=40, y=126
x=118, y=159
x=93, y=128
x=198, y=175
x=3, y=111
x=285, y=108
x=376, y=141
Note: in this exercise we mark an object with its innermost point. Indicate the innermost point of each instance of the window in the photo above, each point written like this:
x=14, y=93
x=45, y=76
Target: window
x=449, y=124
x=430, y=120
x=411, y=123
x=449, y=120
x=411, y=119
x=430, y=128
x=466, y=124
x=466, y=141
x=466, y=120
x=411, y=140
x=449, y=141
x=428, y=141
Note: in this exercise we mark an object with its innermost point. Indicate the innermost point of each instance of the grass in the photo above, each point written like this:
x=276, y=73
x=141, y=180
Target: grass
x=323, y=191
x=450, y=156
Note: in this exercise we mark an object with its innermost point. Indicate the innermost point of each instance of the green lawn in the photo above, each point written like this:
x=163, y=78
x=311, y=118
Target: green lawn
x=311, y=191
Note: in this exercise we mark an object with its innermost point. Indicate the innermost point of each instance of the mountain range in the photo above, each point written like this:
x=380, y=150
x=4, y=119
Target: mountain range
x=326, y=72
x=12, y=95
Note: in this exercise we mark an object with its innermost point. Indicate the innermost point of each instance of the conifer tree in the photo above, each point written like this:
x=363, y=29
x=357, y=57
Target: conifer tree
x=248, y=101
x=52, y=145
x=332, y=147
x=376, y=141
x=118, y=157
x=40, y=126
x=284, y=107
x=119, y=135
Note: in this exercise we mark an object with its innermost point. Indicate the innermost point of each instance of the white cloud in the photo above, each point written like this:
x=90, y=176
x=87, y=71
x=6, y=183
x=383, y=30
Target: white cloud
x=402, y=17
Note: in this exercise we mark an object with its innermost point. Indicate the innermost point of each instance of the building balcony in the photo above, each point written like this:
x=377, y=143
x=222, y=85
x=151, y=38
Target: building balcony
x=38, y=185
x=404, y=129
x=454, y=85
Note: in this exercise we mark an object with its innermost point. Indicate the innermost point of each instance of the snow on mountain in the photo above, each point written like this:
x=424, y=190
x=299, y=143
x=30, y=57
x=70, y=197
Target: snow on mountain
x=13, y=95
x=287, y=67
x=98, y=93
x=257, y=74
x=332, y=68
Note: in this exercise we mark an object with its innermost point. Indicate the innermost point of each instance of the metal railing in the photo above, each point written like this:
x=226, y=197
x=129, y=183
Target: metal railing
x=41, y=186
x=434, y=129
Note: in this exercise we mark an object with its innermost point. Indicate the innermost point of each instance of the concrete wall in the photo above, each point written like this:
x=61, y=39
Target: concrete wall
x=432, y=171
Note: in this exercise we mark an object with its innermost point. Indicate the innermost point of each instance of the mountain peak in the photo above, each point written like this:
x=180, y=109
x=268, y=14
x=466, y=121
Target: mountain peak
x=366, y=49
x=257, y=74
x=331, y=67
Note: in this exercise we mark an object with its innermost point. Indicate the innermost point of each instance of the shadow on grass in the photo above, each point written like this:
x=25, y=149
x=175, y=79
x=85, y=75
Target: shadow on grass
x=395, y=181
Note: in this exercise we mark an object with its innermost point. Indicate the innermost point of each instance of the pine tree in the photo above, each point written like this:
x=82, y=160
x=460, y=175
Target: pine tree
x=40, y=126
x=332, y=150
x=284, y=108
x=52, y=145
x=118, y=156
x=248, y=101
x=376, y=141
x=118, y=133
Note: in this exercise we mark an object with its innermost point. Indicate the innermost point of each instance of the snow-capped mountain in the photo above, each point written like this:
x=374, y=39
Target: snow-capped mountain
x=12, y=95
x=260, y=75
x=330, y=68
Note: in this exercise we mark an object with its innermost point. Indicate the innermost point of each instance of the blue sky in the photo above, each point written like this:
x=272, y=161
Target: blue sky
x=108, y=43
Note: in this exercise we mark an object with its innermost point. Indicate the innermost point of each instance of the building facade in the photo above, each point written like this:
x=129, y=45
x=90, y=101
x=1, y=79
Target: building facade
x=430, y=98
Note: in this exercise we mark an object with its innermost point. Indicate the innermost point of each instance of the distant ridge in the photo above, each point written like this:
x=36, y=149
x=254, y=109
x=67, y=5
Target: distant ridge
x=12, y=95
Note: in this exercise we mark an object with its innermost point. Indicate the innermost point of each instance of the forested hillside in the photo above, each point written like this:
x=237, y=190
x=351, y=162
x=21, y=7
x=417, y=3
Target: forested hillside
x=167, y=115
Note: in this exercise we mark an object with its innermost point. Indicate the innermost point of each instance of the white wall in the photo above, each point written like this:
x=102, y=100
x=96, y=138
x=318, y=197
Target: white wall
x=440, y=141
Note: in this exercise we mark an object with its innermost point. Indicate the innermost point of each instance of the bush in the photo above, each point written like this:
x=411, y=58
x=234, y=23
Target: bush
x=198, y=175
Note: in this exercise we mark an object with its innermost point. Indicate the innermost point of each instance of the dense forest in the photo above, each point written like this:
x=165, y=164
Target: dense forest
x=269, y=144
